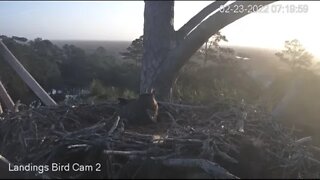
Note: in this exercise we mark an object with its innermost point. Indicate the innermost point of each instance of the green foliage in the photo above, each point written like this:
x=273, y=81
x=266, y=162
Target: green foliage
x=100, y=91
x=75, y=68
x=220, y=79
x=22, y=39
x=31, y=57
x=212, y=51
x=113, y=73
x=134, y=51
x=272, y=95
x=202, y=84
x=300, y=61
x=295, y=55
x=64, y=68
x=108, y=78
x=97, y=88
x=206, y=84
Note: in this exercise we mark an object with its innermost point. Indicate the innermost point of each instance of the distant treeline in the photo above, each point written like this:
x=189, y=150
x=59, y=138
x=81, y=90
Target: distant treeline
x=68, y=67
x=210, y=73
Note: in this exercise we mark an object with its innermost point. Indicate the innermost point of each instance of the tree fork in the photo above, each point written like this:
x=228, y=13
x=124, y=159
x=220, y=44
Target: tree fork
x=180, y=54
x=167, y=50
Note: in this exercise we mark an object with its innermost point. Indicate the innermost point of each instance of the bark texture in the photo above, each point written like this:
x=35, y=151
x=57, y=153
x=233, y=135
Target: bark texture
x=167, y=50
x=157, y=39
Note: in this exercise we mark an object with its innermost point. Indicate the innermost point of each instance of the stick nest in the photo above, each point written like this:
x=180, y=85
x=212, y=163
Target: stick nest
x=223, y=140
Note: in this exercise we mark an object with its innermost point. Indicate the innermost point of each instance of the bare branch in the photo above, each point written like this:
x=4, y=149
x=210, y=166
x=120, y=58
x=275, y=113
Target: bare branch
x=125, y=153
x=114, y=127
x=303, y=140
x=195, y=20
x=5, y=97
x=209, y=167
x=182, y=53
x=182, y=105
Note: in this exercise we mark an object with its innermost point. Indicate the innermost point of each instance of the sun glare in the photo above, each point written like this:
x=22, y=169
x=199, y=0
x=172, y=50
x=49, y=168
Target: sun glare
x=105, y=21
x=270, y=30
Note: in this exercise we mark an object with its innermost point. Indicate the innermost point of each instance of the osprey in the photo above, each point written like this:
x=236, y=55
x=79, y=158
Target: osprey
x=140, y=111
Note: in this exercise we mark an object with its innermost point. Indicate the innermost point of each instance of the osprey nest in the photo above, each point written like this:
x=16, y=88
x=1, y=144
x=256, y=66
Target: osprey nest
x=223, y=140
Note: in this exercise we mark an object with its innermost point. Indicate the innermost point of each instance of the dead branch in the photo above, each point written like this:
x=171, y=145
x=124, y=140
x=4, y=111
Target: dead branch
x=211, y=168
x=114, y=127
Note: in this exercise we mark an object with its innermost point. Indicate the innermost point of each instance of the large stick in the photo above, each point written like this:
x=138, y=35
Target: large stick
x=25, y=75
x=5, y=97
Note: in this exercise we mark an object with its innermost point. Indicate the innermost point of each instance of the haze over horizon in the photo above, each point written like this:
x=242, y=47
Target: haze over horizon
x=123, y=21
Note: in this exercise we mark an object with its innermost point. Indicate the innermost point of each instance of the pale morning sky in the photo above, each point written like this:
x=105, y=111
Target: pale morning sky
x=123, y=20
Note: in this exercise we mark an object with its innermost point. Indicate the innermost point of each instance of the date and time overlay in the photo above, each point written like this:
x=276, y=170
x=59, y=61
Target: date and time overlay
x=272, y=8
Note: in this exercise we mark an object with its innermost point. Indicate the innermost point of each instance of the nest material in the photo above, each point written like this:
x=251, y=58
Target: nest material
x=223, y=140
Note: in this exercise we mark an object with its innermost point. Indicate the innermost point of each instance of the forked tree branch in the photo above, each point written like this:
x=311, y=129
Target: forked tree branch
x=188, y=46
x=195, y=20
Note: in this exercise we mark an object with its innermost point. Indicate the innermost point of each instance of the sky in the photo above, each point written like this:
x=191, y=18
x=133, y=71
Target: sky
x=123, y=20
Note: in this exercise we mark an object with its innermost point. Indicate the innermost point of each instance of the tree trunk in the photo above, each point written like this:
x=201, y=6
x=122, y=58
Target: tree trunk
x=166, y=50
x=158, y=41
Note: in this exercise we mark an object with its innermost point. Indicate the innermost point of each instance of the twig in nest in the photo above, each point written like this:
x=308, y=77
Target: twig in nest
x=209, y=167
x=87, y=130
x=303, y=140
x=114, y=127
x=182, y=105
x=174, y=122
x=315, y=148
x=314, y=160
x=138, y=134
x=215, y=115
x=224, y=155
x=77, y=146
x=196, y=141
x=126, y=153
x=165, y=156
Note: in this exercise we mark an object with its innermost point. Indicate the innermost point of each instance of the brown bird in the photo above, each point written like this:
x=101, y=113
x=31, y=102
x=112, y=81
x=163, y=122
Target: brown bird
x=140, y=111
